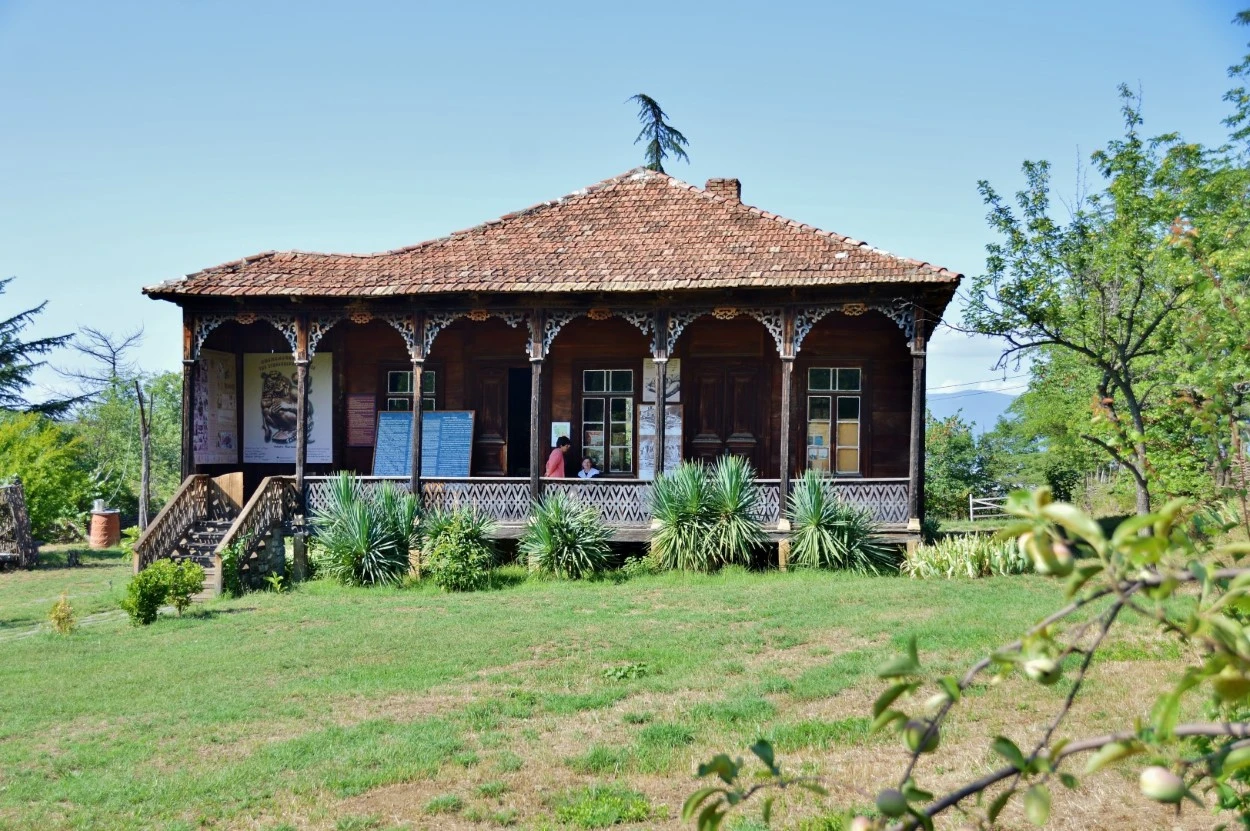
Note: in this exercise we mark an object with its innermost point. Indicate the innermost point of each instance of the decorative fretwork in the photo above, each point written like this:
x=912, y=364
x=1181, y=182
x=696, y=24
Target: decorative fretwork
x=318, y=325
x=885, y=499
x=552, y=324
x=725, y=312
x=774, y=321
x=677, y=323
x=168, y=536
x=406, y=325
x=768, y=506
x=286, y=325
x=506, y=501
x=854, y=309
x=436, y=322
x=599, y=314
x=644, y=319
x=620, y=504
x=246, y=318
x=901, y=312
x=204, y=325
x=805, y=319
x=15, y=537
x=512, y=318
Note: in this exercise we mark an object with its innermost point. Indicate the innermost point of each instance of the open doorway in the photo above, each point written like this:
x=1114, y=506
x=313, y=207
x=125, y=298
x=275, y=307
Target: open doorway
x=519, y=386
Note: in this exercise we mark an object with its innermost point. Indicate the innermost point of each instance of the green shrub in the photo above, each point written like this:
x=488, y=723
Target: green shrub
x=146, y=592
x=62, y=616
x=829, y=533
x=639, y=567
x=231, y=575
x=364, y=539
x=706, y=517
x=457, y=550
x=601, y=806
x=969, y=555
x=185, y=581
x=565, y=538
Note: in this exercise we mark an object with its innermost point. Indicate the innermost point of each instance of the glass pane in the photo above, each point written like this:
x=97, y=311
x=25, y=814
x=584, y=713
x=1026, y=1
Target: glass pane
x=820, y=379
x=848, y=407
x=622, y=380
x=848, y=434
x=427, y=382
x=818, y=407
x=593, y=380
x=404, y=404
x=818, y=459
x=620, y=436
x=818, y=433
x=848, y=380
x=427, y=404
x=398, y=382
x=592, y=409
x=621, y=460
x=592, y=439
x=620, y=409
x=848, y=461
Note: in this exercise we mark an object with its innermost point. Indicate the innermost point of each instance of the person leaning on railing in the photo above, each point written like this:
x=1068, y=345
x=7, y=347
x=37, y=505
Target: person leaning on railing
x=555, y=462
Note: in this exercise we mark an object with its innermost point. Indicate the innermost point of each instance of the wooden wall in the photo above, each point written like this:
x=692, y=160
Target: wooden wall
x=731, y=384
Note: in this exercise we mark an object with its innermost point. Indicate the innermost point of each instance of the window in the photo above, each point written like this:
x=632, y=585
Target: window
x=399, y=390
x=833, y=419
x=608, y=418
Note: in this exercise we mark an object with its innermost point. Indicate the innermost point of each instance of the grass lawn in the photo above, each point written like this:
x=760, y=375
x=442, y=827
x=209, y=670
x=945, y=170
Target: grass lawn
x=538, y=705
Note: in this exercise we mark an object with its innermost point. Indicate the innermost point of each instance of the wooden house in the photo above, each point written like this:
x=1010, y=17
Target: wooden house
x=584, y=316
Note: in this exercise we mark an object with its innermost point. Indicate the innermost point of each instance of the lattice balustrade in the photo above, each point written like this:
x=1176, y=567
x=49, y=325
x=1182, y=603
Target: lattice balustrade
x=885, y=498
x=275, y=503
x=15, y=526
x=768, y=508
x=621, y=504
x=167, y=535
x=506, y=501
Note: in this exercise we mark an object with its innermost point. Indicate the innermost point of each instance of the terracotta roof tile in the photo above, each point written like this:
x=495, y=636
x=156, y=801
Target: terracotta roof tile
x=640, y=231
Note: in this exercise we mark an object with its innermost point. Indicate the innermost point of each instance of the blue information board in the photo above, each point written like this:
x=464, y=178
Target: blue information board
x=446, y=443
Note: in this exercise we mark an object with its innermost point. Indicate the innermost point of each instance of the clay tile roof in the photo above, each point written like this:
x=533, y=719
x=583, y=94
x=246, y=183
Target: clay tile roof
x=640, y=231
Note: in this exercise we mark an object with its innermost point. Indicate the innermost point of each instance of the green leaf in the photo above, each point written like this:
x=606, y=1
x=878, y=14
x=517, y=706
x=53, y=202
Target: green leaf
x=999, y=803
x=1109, y=753
x=722, y=766
x=890, y=695
x=1006, y=748
x=885, y=719
x=1037, y=804
x=764, y=751
x=1128, y=529
x=908, y=664
x=1069, y=781
x=1075, y=521
x=766, y=813
x=695, y=800
x=951, y=686
x=710, y=818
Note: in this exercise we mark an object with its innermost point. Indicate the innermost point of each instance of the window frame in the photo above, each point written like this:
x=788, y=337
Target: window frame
x=579, y=412
x=834, y=395
x=385, y=396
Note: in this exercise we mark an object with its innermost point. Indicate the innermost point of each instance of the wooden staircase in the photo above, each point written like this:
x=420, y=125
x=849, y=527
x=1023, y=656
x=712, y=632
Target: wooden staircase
x=202, y=540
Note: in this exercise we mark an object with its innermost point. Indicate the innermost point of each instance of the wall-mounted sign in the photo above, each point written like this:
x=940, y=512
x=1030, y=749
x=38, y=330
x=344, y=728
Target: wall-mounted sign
x=215, y=416
x=362, y=420
x=446, y=443
x=673, y=379
x=270, y=403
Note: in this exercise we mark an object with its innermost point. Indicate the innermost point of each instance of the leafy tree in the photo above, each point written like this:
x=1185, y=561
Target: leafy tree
x=17, y=360
x=50, y=461
x=1106, y=286
x=954, y=466
x=662, y=139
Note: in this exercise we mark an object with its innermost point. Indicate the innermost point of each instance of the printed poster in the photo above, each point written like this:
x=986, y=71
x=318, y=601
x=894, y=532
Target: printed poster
x=270, y=408
x=647, y=443
x=672, y=381
x=215, y=428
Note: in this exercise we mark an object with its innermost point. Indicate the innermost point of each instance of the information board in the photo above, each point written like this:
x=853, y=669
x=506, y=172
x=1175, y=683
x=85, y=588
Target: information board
x=446, y=443
x=361, y=420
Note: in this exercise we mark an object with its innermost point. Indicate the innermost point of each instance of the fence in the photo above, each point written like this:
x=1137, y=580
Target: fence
x=989, y=507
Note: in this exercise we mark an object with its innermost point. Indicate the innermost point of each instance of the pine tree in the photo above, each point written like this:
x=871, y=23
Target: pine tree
x=17, y=361
x=663, y=139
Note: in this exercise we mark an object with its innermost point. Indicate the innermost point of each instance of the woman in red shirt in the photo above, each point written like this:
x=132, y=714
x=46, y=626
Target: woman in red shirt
x=555, y=462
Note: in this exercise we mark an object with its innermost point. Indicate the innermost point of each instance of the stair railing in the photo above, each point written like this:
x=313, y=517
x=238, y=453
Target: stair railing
x=166, y=535
x=274, y=503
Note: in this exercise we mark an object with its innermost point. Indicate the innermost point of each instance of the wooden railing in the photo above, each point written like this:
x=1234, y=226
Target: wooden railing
x=15, y=538
x=275, y=503
x=623, y=503
x=166, y=536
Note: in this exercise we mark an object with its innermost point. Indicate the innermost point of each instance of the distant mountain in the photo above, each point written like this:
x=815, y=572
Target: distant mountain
x=980, y=408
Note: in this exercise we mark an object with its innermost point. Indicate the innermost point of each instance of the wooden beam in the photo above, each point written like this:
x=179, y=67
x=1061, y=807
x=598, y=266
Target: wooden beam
x=788, y=351
x=661, y=398
x=915, y=468
x=418, y=370
x=188, y=393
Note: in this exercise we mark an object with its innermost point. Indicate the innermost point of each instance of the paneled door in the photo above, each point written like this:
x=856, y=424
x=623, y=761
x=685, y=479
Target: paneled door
x=490, y=433
x=725, y=410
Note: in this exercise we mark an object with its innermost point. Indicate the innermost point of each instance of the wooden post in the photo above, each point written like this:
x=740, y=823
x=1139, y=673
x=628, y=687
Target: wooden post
x=414, y=476
x=537, y=352
x=788, y=351
x=660, y=356
x=301, y=444
x=188, y=394
x=915, y=470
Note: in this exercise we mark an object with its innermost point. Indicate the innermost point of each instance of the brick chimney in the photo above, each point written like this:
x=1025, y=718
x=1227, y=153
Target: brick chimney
x=730, y=189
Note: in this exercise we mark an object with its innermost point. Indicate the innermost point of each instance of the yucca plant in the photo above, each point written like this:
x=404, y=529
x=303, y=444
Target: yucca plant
x=565, y=538
x=829, y=533
x=681, y=505
x=734, y=531
x=363, y=540
x=457, y=548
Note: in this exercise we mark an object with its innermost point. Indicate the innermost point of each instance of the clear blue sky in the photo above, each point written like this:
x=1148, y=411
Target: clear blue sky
x=142, y=141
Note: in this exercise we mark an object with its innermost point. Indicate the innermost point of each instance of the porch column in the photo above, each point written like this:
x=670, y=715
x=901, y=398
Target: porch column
x=417, y=354
x=536, y=400
x=788, y=351
x=660, y=356
x=188, y=394
x=915, y=470
x=301, y=411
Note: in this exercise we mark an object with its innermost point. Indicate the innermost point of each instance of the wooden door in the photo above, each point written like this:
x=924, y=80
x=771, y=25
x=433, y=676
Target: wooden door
x=725, y=410
x=490, y=434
